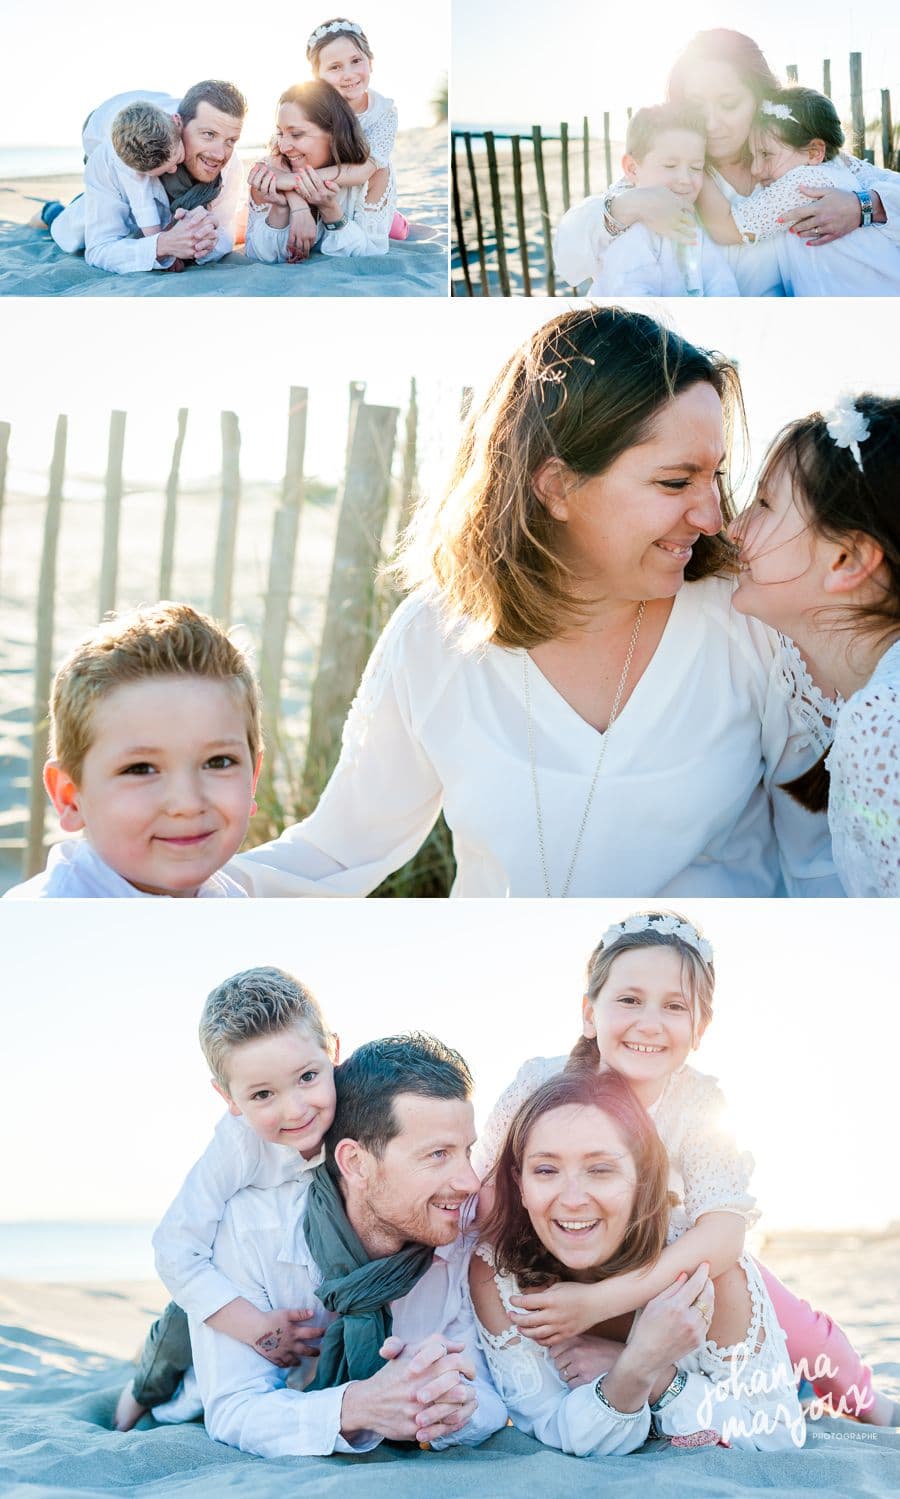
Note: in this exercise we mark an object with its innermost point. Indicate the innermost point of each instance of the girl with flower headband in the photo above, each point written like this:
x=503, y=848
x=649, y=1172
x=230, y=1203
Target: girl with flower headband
x=820, y=555
x=725, y=75
x=650, y=984
x=796, y=141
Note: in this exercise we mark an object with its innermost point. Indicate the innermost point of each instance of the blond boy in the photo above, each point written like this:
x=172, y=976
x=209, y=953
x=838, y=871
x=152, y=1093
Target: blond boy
x=155, y=752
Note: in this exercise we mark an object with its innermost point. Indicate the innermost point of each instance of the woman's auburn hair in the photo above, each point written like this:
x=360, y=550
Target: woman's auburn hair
x=517, y=1250
x=733, y=48
x=324, y=106
x=585, y=388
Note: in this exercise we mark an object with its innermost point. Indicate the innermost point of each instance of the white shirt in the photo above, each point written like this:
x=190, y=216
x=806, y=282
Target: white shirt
x=365, y=233
x=117, y=200
x=261, y=1247
x=863, y=263
x=582, y=241
x=643, y=264
x=864, y=796
x=235, y=1157
x=752, y=1402
x=680, y=807
x=75, y=870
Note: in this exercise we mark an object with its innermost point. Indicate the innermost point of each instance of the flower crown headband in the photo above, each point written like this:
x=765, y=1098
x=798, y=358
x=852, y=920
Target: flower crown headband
x=847, y=427
x=335, y=26
x=669, y=926
x=777, y=111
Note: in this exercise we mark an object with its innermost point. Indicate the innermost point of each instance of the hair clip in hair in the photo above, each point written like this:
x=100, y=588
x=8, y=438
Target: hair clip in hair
x=847, y=427
x=667, y=924
x=778, y=111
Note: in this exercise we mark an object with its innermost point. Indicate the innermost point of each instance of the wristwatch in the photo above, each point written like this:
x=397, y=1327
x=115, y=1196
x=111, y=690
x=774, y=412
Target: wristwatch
x=671, y=1392
x=340, y=223
x=865, y=203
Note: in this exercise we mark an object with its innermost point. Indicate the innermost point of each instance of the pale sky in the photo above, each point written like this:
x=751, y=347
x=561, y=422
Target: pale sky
x=795, y=355
x=529, y=64
x=105, y=1100
x=58, y=60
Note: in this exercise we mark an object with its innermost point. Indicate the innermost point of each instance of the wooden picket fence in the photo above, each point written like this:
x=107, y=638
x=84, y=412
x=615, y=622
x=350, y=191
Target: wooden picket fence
x=505, y=206
x=373, y=505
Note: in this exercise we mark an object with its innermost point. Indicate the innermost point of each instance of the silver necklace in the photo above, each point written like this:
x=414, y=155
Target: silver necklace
x=614, y=711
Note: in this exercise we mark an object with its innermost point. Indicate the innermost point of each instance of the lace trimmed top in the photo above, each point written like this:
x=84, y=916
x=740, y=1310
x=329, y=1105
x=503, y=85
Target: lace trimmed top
x=864, y=798
x=707, y=1172
x=745, y=1393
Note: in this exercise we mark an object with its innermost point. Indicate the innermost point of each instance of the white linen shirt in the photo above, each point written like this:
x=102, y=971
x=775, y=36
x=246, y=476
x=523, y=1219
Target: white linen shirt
x=643, y=264
x=113, y=205
x=235, y=1157
x=261, y=1247
x=75, y=870
x=681, y=805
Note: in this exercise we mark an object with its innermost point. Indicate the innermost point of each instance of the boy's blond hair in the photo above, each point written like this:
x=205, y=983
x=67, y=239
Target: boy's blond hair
x=257, y=1002
x=144, y=136
x=165, y=640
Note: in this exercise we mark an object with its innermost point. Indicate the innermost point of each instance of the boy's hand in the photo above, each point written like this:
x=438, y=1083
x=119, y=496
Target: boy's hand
x=284, y=1337
x=559, y=1313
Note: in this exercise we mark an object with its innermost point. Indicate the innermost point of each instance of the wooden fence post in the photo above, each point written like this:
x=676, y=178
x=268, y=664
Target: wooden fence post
x=476, y=204
x=458, y=218
x=223, y=575
x=167, y=553
x=545, y=207
x=112, y=513
x=607, y=148
x=520, y=214
x=564, y=148
x=349, y=624
x=856, y=106
x=409, y=482
x=497, y=207
x=586, y=160
x=792, y=72
x=5, y=430
x=43, y=655
x=285, y=531
x=887, y=136
x=826, y=77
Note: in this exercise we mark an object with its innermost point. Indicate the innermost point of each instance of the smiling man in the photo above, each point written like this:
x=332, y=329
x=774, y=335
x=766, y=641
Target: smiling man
x=192, y=197
x=372, y=1246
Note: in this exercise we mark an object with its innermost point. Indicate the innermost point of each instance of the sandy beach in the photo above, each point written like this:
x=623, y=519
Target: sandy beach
x=65, y=1350
x=31, y=264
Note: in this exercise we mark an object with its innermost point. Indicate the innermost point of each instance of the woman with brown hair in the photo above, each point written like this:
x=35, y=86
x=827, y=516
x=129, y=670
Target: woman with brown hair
x=580, y=1193
x=568, y=679
x=312, y=189
x=725, y=75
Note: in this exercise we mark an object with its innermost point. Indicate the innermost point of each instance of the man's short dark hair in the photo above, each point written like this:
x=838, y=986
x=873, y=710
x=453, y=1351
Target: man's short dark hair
x=369, y=1081
x=222, y=96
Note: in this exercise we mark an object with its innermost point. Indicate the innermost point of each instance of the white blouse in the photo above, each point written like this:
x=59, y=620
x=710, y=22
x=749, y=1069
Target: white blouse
x=366, y=233
x=681, y=806
x=642, y=264
x=746, y=1393
x=864, y=797
x=707, y=1171
x=864, y=263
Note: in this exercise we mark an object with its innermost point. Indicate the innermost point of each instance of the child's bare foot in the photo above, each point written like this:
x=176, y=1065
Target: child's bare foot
x=45, y=218
x=882, y=1412
x=128, y=1412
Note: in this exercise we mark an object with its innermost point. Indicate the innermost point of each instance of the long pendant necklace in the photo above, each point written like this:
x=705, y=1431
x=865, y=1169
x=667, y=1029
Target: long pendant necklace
x=597, y=768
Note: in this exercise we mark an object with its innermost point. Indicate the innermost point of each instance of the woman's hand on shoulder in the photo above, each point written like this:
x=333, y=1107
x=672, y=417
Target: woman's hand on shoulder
x=829, y=216
x=675, y=1322
x=661, y=210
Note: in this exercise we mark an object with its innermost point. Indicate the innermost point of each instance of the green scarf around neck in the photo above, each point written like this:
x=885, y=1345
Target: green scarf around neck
x=360, y=1290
